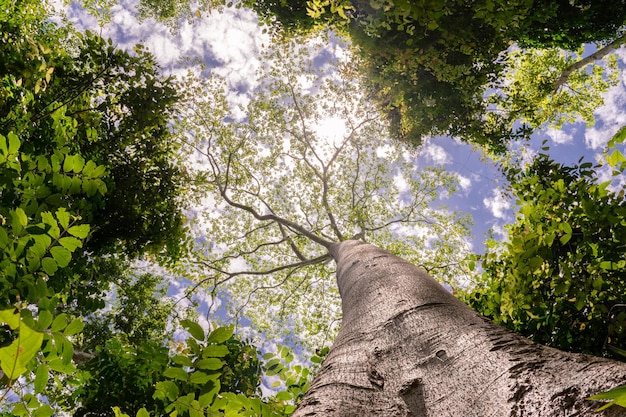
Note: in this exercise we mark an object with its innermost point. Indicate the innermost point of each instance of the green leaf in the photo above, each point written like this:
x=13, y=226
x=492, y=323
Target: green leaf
x=10, y=317
x=199, y=378
x=118, y=413
x=70, y=243
x=607, y=265
x=44, y=319
x=15, y=357
x=76, y=326
x=143, y=413
x=61, y=366
x=176, y=373
x=41, y=378
x=194, y=329
x=209, y=364
x=14, y=143
x=81, y=231
x=166, y=390
x=221, y=334
x=61, y=255
x=610, y=394
x=215, y=351
x=565, y=238
x=59, y=323
x=618, y=137
x=183, y=360
x=64, y=217
x=44, y=410
x=89, y=168
x=21, y=216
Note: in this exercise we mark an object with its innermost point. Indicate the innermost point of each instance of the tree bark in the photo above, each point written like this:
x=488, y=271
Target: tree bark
x=407, y=347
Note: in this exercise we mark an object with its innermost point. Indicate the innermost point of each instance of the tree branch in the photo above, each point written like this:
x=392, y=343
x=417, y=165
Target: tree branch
x=599, y=54
x=231, y=275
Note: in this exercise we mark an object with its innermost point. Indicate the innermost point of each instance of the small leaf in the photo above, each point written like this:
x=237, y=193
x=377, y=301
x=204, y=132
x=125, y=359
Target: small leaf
x=10, y=317
x=59, y=323
x=610, y=394
x=41, y=378
x=618, y=137
x=76, y=326
x=81, y=231
x=199, y=378
x=44, y=319
x=209, y=364
x=21, y=216
x=70, y=243
x=176, y=373
x=43, y=410
x=61, y=255
x=14, y=143
x=64, y=217
x=194, y=329
x=215, y=351
x=166, y=390
x=221, y=334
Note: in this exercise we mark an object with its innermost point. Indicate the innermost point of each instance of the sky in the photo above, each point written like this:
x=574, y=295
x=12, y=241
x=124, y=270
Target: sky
x=229, y=44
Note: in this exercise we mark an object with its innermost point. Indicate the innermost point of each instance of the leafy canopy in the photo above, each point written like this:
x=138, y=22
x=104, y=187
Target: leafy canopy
x=561, y=269
x=306, y=165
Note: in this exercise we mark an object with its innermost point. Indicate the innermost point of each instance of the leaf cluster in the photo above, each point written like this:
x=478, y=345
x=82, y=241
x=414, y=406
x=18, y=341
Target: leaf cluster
x=561, y=269
x=428, y=65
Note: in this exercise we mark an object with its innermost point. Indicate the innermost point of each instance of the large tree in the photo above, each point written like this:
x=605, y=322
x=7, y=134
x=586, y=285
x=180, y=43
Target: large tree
x=406, y=346
x=306, y=163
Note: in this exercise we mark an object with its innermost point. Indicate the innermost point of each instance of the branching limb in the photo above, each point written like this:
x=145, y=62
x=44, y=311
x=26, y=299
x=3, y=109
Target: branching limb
x=230, y=275
x=597, y=55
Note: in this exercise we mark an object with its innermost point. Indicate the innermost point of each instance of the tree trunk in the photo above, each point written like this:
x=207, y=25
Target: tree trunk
x=407, y=347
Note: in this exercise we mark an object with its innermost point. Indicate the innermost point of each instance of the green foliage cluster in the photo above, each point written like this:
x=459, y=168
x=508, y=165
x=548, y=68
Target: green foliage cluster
x=68, y=93
x=561, y=269
x=429, y=64
x=210, y=374
x=569, y=23
x=86, y=178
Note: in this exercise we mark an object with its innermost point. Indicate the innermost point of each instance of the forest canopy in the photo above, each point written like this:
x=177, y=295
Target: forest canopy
x=163, y=231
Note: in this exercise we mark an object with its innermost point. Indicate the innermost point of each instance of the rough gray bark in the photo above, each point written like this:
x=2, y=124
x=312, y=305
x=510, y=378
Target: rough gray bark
x=407, y=347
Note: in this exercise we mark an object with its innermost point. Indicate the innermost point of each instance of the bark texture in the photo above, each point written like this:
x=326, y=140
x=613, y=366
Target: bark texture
x=407, y=347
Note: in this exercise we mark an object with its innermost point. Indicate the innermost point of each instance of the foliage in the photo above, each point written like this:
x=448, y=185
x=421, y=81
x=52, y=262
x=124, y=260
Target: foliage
x=83, y=148
x=94, y=102
x=535, y=93
x=568, y=24
x=429, y=65
x=307, y=165
x=561, y=269
x=198, y=380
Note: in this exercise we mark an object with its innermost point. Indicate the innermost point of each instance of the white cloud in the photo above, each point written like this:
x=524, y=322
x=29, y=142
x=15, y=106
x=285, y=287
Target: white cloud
x=611, y=115
x=232, y=38
x=500, y=206
x=464, y=182
x=437, y=154
x=332, y=129
x=384, y=151
x=560, y=137
x=597, y=138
